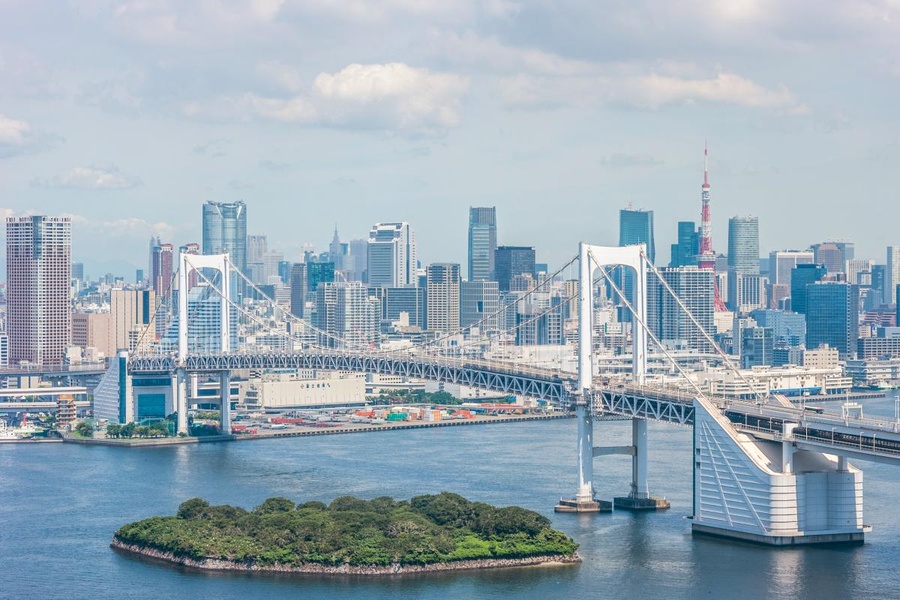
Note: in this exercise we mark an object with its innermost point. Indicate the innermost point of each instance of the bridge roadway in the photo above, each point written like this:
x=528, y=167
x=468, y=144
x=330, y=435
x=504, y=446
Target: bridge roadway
x=868, y=439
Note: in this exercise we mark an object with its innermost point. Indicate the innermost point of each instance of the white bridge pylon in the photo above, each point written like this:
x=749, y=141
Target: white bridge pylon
x=591, y=258
x=191, y=262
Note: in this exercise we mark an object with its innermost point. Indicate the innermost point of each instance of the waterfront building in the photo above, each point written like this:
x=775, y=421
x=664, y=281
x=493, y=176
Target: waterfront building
x=225, y=231
x=442, y=291
x=511, y=261
x=743, y=244
x=801, y=276
x=685, y=251
x=482, y=242
x=787, y=355
x=782, y=263
x=832, y=316
x=479, y=302
x=392, y=259
x=38, y=276
x=695, y=288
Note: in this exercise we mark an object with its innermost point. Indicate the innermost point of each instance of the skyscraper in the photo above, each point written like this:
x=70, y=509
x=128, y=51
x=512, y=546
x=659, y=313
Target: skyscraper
x=298, y=289
x=38, y=272
x=479, y=302
x=161, y=268
x=347, y=313
x=801, y=277
x=684, y=252
x=696, y=289
x=892, y=274
x=511, y=261
x=636, y=227
x=132, y=313
x=830, y=255
x=743, y=244
x=225, y=230
x=482, y=242
x=832, y=316
x=442, y=293
x=781, y=262
x=392, y=257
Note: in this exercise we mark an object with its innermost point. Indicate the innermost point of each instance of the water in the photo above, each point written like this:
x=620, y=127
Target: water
x=61, y=503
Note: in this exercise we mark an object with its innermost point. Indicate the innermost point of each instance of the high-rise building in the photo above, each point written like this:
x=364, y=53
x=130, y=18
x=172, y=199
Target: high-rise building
x=832, y=316
x=802, y=276
x=133, y=314
x=392, y=257
x=257, y=246
x=830, y=255
x=479, y=302
x=636, y=227
x=395, y=301
x=743, y=244
x=38, y=275
x=225, y=230
x=161, y=257
x=482, y=242
x=318, y=273
x=684, y=252
x=788, y=328
x=78, y=271
x=696, y=289
x=442, y=292
x=746, y=291
x=858, y=269
x=511, y=261
x=93, y=330
x=298, y=289
x=757, y=347
x=781, y=262
x=191, y=248
x=346, y=312
x=892, y=274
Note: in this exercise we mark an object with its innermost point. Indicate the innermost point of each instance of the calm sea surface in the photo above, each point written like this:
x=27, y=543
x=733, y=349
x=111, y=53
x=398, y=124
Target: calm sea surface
x=61, y=503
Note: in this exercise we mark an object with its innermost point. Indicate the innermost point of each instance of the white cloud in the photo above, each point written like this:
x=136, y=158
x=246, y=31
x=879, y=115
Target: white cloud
x=129, y=228
x=90, y=178
x=17, y=138
x=391, y=97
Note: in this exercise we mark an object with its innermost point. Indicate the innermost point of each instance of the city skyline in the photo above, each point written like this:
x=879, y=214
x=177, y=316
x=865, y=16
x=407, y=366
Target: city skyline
x=127, y=115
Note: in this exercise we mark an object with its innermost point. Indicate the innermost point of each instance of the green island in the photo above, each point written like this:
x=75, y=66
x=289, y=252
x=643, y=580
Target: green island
x=440, y=532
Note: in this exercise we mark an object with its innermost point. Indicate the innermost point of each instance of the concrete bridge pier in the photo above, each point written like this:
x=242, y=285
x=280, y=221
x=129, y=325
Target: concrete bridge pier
x=225, y=407
x=639, y=497
x=179, y=393
x=584, y=501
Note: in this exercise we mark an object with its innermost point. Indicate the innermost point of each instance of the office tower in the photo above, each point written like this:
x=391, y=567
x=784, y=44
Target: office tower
x=392, y=259
x=482, y=242
x=395, y=301
x=139, y=276
x=225, y=230
x=757, y=347
x=337, y=250
x=346, y=312
x=298, y=289
x=4, y=350
x=743, y=244
x=479, y=302
x=191, y=248
x=858, y=269
x=830, y=255
x=789, y=328
x=355, y=261
x=93, y=330
x=257, y=246
x=696, y=288
x=78, y=271
x=38, y=274
x=132, y=313
x=442, y=292
x=318, y=273
x=802, y=276
x=161, y=272
x=832, y=316
x=892, y=274
x=636, y=227
x=746, y=291
x=684, y=252
x=510, y=261
x=781, y=262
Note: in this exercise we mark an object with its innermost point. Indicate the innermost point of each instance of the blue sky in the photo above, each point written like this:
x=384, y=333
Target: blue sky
x=128, y=115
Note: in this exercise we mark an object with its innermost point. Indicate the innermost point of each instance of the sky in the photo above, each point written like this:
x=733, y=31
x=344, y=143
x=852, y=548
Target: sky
x=129, y=115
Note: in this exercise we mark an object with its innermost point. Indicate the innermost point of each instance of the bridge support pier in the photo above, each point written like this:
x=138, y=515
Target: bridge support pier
x=584, y=501
x=225, y=407
x=179, y=393
x=639, y=497
x=770, y=492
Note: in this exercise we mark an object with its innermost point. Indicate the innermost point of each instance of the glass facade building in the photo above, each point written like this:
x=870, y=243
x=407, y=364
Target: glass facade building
x=832, y=316
x=511, y=261
x=482, y=242
x=743, y=244
x=225, y=230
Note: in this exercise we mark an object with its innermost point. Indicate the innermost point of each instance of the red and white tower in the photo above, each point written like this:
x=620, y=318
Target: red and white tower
x=707, y=258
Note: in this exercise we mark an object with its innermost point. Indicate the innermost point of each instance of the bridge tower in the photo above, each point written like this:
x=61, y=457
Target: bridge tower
x=590, y=258
x=188, y=263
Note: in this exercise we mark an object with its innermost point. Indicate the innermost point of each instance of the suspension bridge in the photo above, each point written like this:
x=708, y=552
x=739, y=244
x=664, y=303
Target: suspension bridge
x=764, y=469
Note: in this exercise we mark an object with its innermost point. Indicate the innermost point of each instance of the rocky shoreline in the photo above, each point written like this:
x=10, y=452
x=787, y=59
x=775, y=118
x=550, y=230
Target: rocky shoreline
x=210, y=564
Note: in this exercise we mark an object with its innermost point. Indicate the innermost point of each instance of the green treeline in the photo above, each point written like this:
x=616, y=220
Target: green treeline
x=380, y=532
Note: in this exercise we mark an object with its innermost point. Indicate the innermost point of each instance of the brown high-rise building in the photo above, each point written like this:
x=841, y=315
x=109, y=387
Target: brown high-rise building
x=38, y=272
